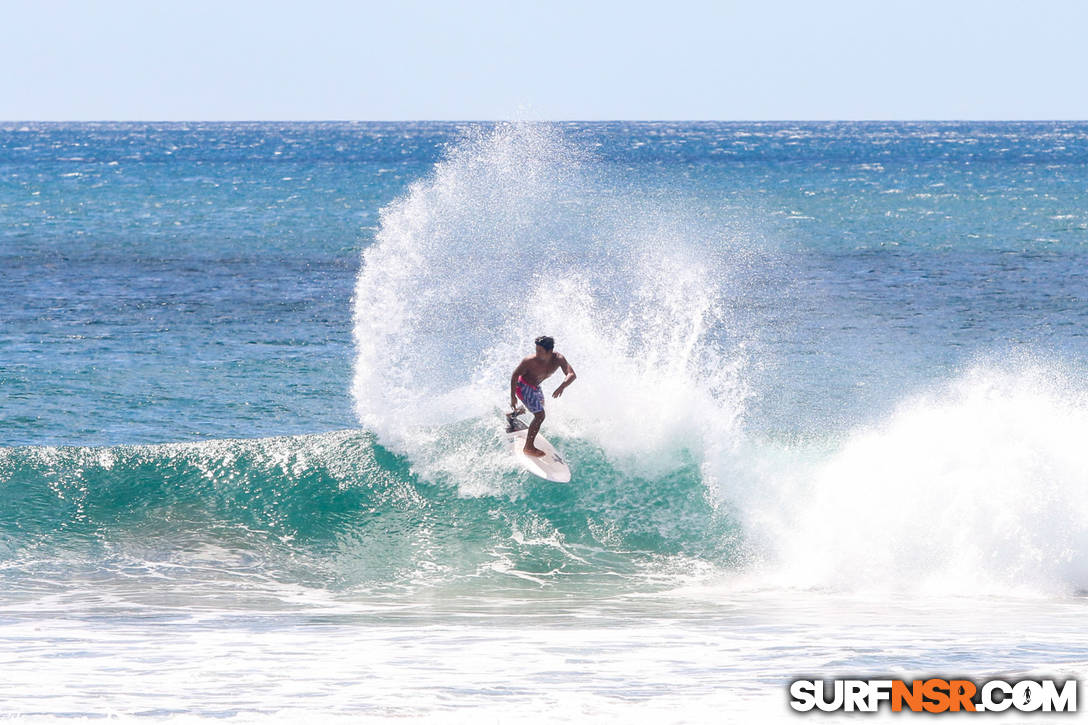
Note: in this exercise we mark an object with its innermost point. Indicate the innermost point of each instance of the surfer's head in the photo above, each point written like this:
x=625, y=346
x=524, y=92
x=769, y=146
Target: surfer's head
x=545, y=342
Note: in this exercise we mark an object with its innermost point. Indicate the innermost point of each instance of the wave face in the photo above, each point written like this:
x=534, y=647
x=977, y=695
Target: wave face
x=335, y=511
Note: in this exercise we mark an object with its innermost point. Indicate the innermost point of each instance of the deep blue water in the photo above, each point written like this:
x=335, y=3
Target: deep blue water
x=184, y=281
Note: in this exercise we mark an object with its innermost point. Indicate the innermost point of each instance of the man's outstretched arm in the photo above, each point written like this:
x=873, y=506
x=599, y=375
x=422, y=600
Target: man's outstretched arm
x=571, y=377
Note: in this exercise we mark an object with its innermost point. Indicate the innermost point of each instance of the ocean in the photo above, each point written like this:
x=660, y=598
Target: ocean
x=830, y=418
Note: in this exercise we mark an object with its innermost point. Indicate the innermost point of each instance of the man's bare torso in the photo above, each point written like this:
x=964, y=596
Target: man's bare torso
x=536, y=371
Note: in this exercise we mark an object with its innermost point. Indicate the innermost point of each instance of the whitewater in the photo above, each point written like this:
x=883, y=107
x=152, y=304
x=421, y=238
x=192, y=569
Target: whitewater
x=828, y=422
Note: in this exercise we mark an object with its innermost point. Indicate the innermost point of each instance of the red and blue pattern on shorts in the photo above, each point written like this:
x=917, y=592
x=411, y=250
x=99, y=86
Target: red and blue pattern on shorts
x=531, y=395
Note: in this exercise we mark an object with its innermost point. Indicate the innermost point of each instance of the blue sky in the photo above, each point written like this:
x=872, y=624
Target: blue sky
x=679, y=59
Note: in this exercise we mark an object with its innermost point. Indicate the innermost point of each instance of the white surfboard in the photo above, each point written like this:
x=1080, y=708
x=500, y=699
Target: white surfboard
x=550, y=466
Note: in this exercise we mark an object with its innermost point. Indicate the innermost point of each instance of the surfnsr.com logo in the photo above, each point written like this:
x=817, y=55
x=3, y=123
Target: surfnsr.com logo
x=934, y=695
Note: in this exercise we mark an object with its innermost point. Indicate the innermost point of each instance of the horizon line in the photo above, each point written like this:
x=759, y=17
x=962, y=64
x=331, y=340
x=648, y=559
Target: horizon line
x=552, y=120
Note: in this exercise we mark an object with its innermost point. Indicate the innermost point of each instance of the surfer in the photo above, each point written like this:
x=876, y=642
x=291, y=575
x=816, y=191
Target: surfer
x=525, y=384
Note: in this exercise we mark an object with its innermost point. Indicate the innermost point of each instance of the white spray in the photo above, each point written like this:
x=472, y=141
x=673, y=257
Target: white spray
x=518, y=234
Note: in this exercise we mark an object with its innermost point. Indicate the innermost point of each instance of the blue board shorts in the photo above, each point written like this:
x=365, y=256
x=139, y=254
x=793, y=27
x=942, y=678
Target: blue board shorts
x=531, y=395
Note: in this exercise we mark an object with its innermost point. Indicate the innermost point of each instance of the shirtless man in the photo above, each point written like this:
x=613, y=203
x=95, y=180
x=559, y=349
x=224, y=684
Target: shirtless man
x=525, y=384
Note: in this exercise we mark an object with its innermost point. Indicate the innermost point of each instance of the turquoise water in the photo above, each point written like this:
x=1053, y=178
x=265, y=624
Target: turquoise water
x=829, y=416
